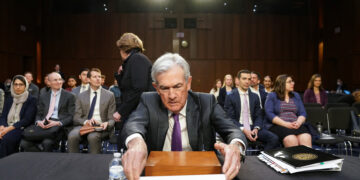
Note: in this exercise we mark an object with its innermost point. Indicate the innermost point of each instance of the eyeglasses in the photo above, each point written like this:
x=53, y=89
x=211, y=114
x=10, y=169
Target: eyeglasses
x=291, y=81
x=20, y=85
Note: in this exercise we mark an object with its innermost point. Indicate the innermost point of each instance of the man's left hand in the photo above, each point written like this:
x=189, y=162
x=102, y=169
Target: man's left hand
x=104, y=125
x=232, y=155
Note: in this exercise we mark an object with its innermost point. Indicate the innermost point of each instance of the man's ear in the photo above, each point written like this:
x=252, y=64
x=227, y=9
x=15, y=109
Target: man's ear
x=189, y=83
x=155, y=86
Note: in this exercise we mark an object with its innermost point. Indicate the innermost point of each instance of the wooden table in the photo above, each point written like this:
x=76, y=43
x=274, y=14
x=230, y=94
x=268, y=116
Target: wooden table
x=182, y=163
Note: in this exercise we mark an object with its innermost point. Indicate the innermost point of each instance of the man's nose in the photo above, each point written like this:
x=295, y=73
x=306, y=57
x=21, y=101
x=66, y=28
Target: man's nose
x=172, y=94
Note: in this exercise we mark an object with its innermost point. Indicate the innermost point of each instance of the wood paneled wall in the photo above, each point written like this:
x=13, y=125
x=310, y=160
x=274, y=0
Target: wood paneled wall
x=269, y=44
x=224, y=43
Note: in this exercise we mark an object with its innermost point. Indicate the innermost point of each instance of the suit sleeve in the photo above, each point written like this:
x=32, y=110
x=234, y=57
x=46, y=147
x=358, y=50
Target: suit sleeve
x=258, y=121
x=139, y=71
x=270, y=107
x=221, y=97
x=111, y=110
x=70, y=110
x=78, y=116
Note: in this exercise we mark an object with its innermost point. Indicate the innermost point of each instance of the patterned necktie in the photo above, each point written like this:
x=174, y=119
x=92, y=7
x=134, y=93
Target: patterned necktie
x=245, y=113
x=92, y=107
x=176, y=144
x=52, y=106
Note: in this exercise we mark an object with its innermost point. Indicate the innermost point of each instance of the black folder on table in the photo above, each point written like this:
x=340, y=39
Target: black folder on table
x=300, y=158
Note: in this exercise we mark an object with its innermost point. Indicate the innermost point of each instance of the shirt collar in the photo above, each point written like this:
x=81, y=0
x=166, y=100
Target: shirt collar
x=242, y=92
x=57, y=92
x=97, y=91
x=182, y=111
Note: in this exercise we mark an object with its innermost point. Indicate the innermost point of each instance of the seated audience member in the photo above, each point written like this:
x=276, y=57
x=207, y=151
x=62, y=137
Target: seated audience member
x=268, y=84
x=243, y=107
x=55, y=108
x=169, y=121
x=84, y=86
x=33, y=89
x=315, y=93
x=71, y=83
x=19, y=112
x=257, y=89
x=286, y=113
x=103, y=78
x=351, y=98
x=96, y=107
x=340, y=86
x=2, y=99
x=216, y=89
x=117, y=93
x=47, y=85
x=225, y=89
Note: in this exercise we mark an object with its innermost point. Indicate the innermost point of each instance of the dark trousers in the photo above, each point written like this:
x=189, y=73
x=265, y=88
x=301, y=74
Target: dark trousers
x=46, y=145
x=10, y=143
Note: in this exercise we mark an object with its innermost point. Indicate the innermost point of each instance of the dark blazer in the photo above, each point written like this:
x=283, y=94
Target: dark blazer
x=66, y=107
x=134, y=79
x=27, y=112
x=233, y=108
x=263, y=95
x=222, y=96
x=272, y=107
x=309, y=97
x=203, y=117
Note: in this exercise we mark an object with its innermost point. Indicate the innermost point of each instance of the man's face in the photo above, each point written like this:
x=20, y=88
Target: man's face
x=102, y=81
x=83, y=77
x=29, y=77
x=57, y=67
x=254, y=80
x=237, y=82
x=95, y=79
x=71, y=82
x=46, y=81
x=173, y=89
x=55, y=81
x=244, y=81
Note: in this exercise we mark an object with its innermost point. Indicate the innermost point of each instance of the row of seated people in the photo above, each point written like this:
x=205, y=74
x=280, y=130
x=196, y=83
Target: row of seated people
x=271, y=118
x=56, y=109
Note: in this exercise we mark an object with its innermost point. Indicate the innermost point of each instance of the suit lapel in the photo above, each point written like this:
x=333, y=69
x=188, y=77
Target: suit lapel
x=87, y=103
x=251, y=101
x=47, y=102
x=61, y=100
x=192, y=122
x=237, y=102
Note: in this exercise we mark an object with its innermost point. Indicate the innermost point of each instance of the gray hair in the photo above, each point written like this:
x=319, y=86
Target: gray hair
x=166, y=62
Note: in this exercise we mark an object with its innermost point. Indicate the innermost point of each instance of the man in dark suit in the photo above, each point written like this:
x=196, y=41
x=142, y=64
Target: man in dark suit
x=55, y=110
x=176, y=119
x=243, y=107
x=101, y=103
x=258, y=88
x=84, y=85
x=33, y=89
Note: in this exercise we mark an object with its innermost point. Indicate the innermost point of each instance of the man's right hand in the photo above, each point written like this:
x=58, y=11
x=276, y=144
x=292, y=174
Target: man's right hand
x=134, y=159
x=248, y=135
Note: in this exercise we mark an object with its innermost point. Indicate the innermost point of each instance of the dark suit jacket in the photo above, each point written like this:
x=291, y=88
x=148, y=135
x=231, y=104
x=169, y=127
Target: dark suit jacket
x=27, y=112
x=233, y=108
x=309, y=97
x=133, y=80
x=263, y=95
x=203, y=117
x=66, y=107
x=222, y=96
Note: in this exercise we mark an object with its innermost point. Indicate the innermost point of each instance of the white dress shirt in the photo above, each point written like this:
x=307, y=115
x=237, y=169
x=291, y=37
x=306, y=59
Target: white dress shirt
x=241, y=94
x=96, y=114
x=84, y=87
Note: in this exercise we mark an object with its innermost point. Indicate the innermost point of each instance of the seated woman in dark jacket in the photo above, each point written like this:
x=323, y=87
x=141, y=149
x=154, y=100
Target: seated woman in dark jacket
x=19, y=112
x=315, y=93
x=286, y=113
x=225, y=89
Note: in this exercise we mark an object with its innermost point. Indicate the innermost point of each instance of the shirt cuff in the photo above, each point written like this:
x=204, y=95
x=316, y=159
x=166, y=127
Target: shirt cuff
x=239, y=141
x=131, y=137
x=257, y=127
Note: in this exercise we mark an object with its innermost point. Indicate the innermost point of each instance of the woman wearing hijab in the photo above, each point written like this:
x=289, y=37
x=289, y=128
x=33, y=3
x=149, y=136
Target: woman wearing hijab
x=18, y=113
